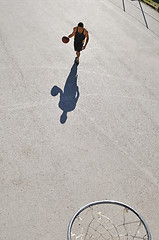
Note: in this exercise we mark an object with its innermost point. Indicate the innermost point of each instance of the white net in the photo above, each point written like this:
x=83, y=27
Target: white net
x=108, y=222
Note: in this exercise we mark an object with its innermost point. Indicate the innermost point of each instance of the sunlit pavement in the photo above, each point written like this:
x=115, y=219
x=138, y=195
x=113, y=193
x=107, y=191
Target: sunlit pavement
x=72, y=136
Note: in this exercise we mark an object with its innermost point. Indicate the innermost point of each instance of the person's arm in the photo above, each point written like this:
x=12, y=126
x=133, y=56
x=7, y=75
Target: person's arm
x=87, y=39
x=72, y=34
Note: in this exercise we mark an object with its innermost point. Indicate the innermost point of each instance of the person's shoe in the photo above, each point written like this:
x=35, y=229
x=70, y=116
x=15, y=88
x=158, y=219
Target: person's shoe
x=77, y=60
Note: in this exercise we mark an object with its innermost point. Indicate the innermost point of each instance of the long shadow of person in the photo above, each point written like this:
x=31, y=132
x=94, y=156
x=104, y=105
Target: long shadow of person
x=70, y=95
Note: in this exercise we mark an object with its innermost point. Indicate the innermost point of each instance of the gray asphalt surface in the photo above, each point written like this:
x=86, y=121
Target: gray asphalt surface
x=108, y=148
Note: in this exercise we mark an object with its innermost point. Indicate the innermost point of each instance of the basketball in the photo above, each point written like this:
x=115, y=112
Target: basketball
x=54, y=91
x=65, y=39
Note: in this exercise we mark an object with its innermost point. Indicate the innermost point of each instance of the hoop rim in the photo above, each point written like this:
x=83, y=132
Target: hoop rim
x=106, y=202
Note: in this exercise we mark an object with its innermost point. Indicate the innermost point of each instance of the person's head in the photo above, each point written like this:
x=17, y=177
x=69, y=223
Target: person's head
x=63, y=117
x=80, y=24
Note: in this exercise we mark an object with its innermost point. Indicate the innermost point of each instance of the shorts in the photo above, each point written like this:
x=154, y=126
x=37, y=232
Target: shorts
x=78, y=46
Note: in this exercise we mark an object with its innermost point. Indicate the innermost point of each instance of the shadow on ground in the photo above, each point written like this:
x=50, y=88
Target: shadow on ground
x=70, y=95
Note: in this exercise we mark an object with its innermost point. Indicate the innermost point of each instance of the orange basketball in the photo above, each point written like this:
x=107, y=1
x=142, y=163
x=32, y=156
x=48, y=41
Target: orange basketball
x=65, y=39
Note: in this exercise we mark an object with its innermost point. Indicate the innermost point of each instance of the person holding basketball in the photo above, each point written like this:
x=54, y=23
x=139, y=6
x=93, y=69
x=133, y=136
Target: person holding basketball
x=80, y=35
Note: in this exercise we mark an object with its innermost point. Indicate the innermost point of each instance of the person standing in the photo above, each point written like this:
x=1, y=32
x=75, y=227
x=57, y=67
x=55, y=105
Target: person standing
x=81, y=38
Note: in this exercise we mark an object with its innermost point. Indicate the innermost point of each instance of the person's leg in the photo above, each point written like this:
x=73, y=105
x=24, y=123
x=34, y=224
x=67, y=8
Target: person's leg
x=78, y=55
x=77, y=48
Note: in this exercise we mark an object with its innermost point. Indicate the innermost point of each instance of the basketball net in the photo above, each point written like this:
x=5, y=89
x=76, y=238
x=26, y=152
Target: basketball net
x=93, y=224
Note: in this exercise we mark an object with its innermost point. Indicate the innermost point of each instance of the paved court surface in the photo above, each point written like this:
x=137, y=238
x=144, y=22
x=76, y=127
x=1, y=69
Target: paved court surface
x=108, y=147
